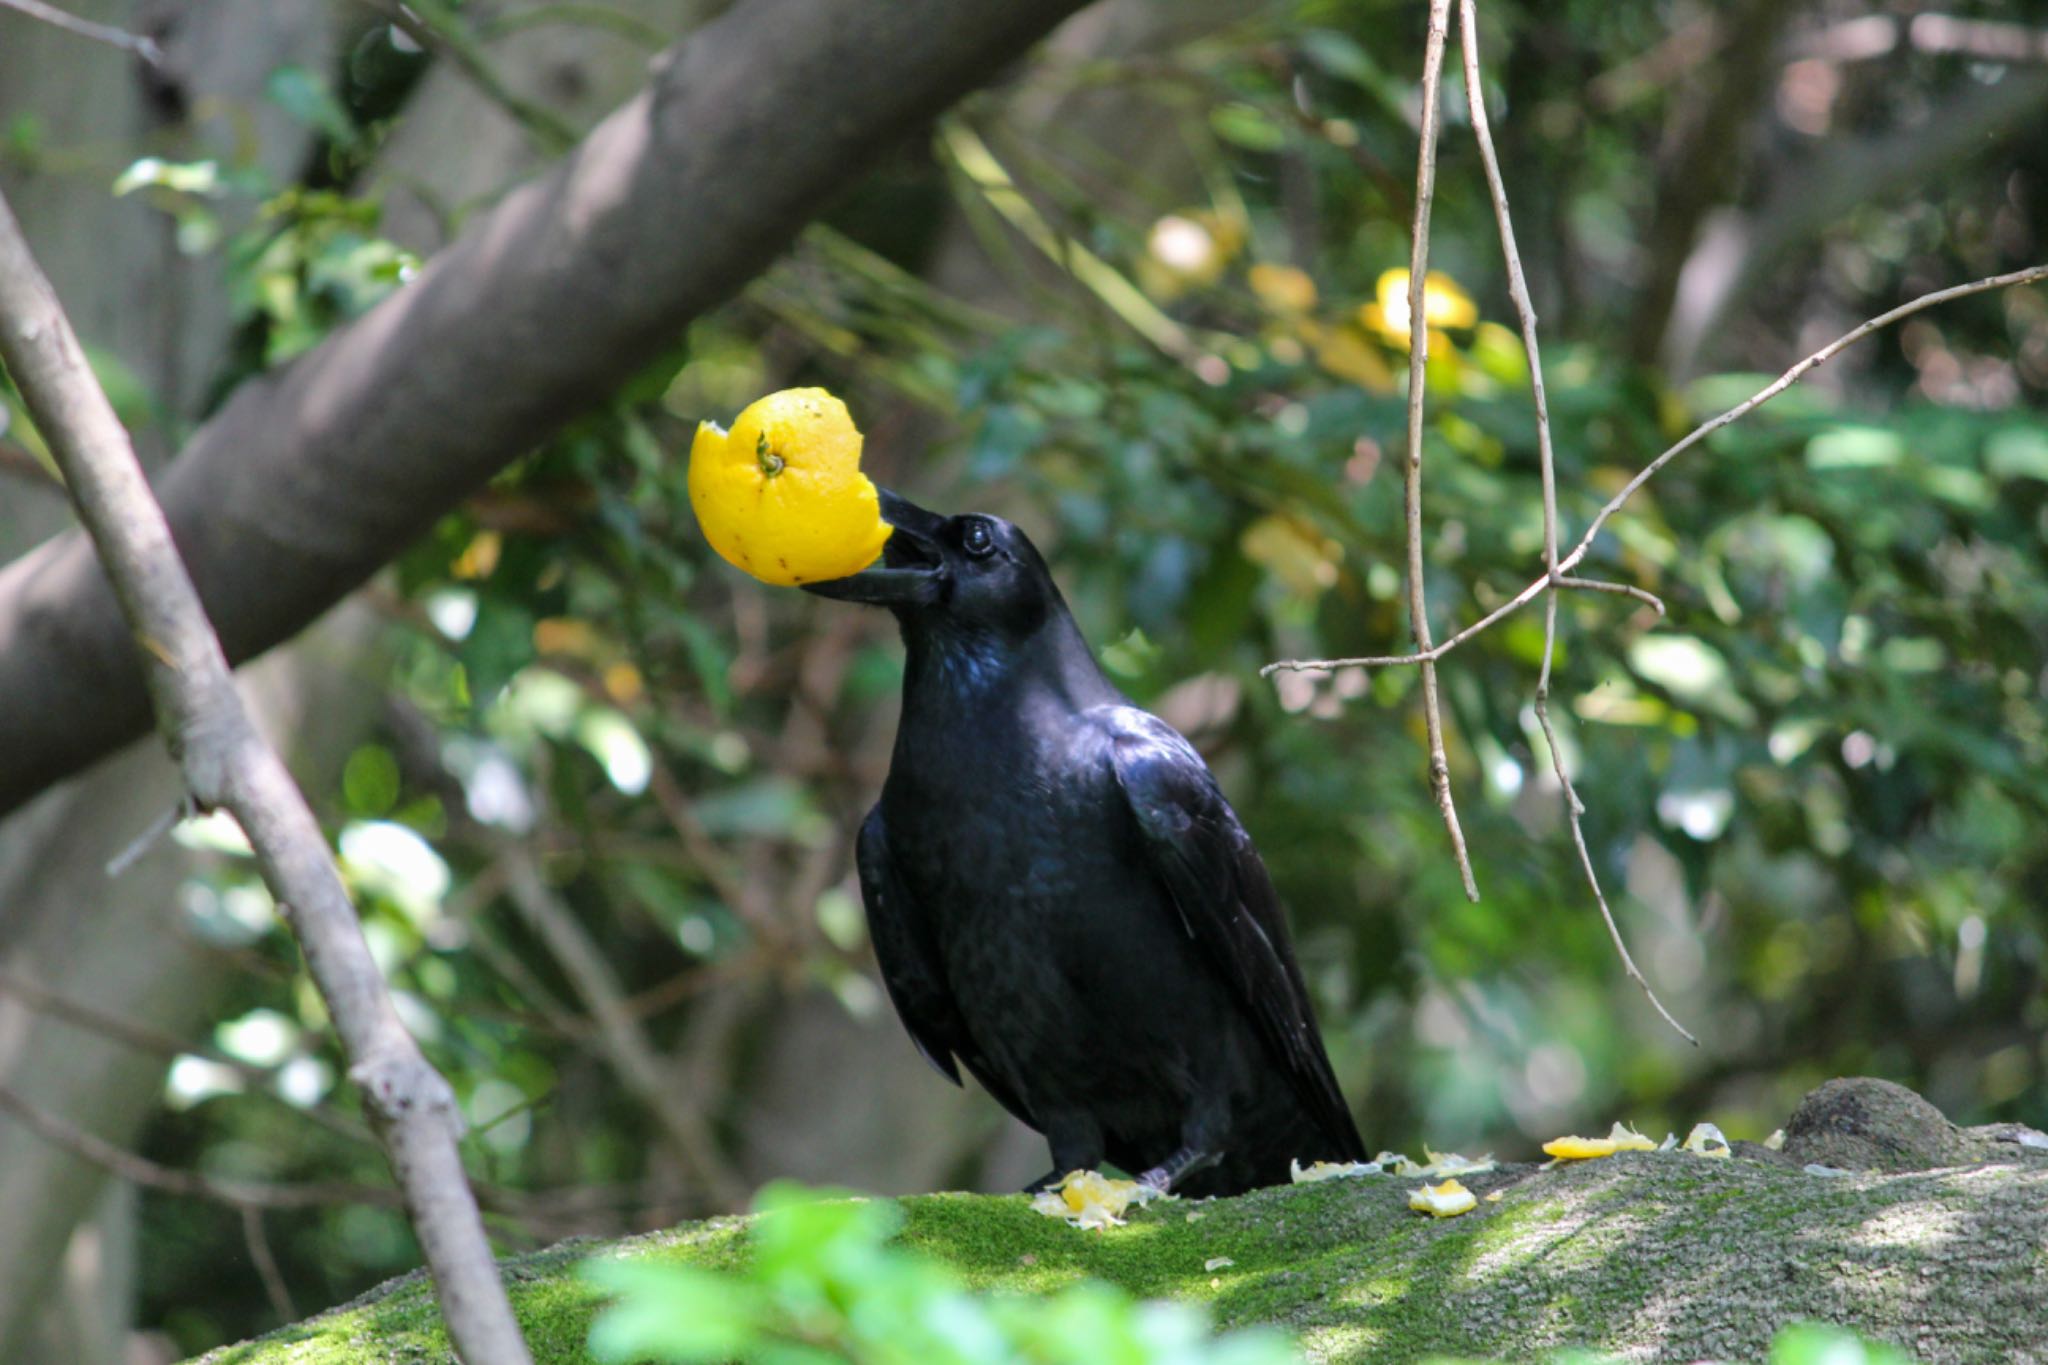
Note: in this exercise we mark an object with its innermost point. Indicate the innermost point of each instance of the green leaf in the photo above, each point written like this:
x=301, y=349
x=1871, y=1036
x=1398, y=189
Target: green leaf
x=309, y=100
x=671, y=1313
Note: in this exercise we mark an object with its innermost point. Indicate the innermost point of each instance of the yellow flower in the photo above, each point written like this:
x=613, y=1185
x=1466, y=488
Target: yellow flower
x=1282, y=288
x=1444, y=304
x=782, y=496
x=1344, y=352
x=1447, y=1200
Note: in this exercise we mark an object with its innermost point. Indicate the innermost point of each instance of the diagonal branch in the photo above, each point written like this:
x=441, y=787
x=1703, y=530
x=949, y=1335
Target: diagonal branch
x=312, y=477
x=141, y=46
x=227, y=764
x=1535, y=588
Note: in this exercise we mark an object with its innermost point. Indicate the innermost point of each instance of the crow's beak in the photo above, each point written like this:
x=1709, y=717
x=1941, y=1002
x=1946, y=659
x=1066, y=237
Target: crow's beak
x=912, y=567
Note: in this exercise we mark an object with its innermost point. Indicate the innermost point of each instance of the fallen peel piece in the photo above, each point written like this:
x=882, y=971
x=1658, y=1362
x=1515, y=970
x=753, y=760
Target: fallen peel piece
x=1089, y=1199
x=1621, y=1138
x=1706, y=1140
x=1451, y=1163
x=1332, y=1170
x=1447, y=1200
x=1398, y=1163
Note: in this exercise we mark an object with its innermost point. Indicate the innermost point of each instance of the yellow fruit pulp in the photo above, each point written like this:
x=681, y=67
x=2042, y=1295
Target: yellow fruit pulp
x=781, y=495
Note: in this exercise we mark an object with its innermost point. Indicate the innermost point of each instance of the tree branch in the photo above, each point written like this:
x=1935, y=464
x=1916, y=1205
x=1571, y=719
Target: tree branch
x=1525, y=311
x=1418, y=385
x=619, y=1037
x=1579, y=551
x=142, y=47
x=227, y=764
x=313, y=477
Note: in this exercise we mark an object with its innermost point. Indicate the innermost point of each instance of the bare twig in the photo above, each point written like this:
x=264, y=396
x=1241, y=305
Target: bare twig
x=274, y=1287
x=136, y=43
x=157, y=1043
x=1574, y=809
x=1518, y=291
x=228, y=764
x=1577, y=554
x=139, y=1170
x=1418, y=361
x=548, y=1206
x=619, y=1037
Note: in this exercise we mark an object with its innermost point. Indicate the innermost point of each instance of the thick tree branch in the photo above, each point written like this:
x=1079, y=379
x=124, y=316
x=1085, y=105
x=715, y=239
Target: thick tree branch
x=311, y=478
x=227, y=764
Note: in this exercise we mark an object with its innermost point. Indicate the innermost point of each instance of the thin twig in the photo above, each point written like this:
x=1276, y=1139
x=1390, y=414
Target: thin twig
x=274, y=1287
x=145, y=841
x=140, y=1170
x=1574, y=809
x=2031, y=275
x=227, y=763
x=1578, y=552
x=1518, y=291
x=142, y=47
x=1418, y=361
x=619, y=1037
x=567, y=1204
x=142, y=1038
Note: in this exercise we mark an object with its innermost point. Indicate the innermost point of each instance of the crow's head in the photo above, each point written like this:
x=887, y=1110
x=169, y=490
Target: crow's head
x=971, y=573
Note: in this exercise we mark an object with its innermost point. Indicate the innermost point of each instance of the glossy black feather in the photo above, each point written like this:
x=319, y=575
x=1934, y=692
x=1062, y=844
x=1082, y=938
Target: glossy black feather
x=1060, y=897
x=1220, y=886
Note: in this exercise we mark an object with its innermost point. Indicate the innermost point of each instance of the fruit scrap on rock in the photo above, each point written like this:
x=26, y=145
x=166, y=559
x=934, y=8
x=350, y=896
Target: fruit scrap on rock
x=1621, y=1138
x=1089, y=1199
x=1447, y=1200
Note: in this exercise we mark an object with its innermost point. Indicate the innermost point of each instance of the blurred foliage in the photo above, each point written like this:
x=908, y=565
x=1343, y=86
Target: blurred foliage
x=1144, y=306
x=822, y=1281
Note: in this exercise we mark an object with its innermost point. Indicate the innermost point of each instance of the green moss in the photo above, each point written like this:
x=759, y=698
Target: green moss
x=1665, y=1257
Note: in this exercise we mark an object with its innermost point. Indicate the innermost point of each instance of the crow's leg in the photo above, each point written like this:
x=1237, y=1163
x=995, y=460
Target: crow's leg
x=1179, y=1166
x=1076, y=1142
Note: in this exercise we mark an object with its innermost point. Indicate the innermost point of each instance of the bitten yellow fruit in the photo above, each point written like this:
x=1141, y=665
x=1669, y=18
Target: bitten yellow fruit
x=781, y=495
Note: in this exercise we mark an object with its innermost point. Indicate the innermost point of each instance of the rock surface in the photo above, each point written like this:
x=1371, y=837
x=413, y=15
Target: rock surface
x=1649, y=1256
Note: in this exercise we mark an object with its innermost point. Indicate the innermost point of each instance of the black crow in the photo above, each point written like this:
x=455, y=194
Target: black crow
x=1060, y=897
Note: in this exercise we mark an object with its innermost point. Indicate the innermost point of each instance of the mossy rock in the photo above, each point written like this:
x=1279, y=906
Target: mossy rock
x=1648, y=1256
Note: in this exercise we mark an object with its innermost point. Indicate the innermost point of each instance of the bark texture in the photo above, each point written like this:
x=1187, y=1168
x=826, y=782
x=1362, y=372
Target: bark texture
x=312, y=478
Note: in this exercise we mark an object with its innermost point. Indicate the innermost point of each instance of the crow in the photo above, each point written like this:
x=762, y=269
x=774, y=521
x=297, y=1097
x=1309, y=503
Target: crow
x=1059, y=896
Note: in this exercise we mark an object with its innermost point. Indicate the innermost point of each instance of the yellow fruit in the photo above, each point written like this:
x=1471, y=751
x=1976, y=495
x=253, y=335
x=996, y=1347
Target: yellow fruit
x=781, y=495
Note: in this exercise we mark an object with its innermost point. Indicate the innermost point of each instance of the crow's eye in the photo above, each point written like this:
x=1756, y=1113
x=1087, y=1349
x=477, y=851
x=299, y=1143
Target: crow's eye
x=977, y=539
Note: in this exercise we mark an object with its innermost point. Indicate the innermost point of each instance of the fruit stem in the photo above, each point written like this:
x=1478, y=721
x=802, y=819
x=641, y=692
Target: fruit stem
x=771, y=463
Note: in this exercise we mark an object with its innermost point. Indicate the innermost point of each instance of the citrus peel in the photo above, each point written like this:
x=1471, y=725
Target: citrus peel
x=1622, y=1138
x=1089, y=1199
x=781, y=494
x=1447, y=1200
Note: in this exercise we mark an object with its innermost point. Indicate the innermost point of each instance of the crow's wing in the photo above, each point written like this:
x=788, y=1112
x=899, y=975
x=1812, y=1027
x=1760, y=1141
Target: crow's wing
x=913, y=971
x=1227, y=903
